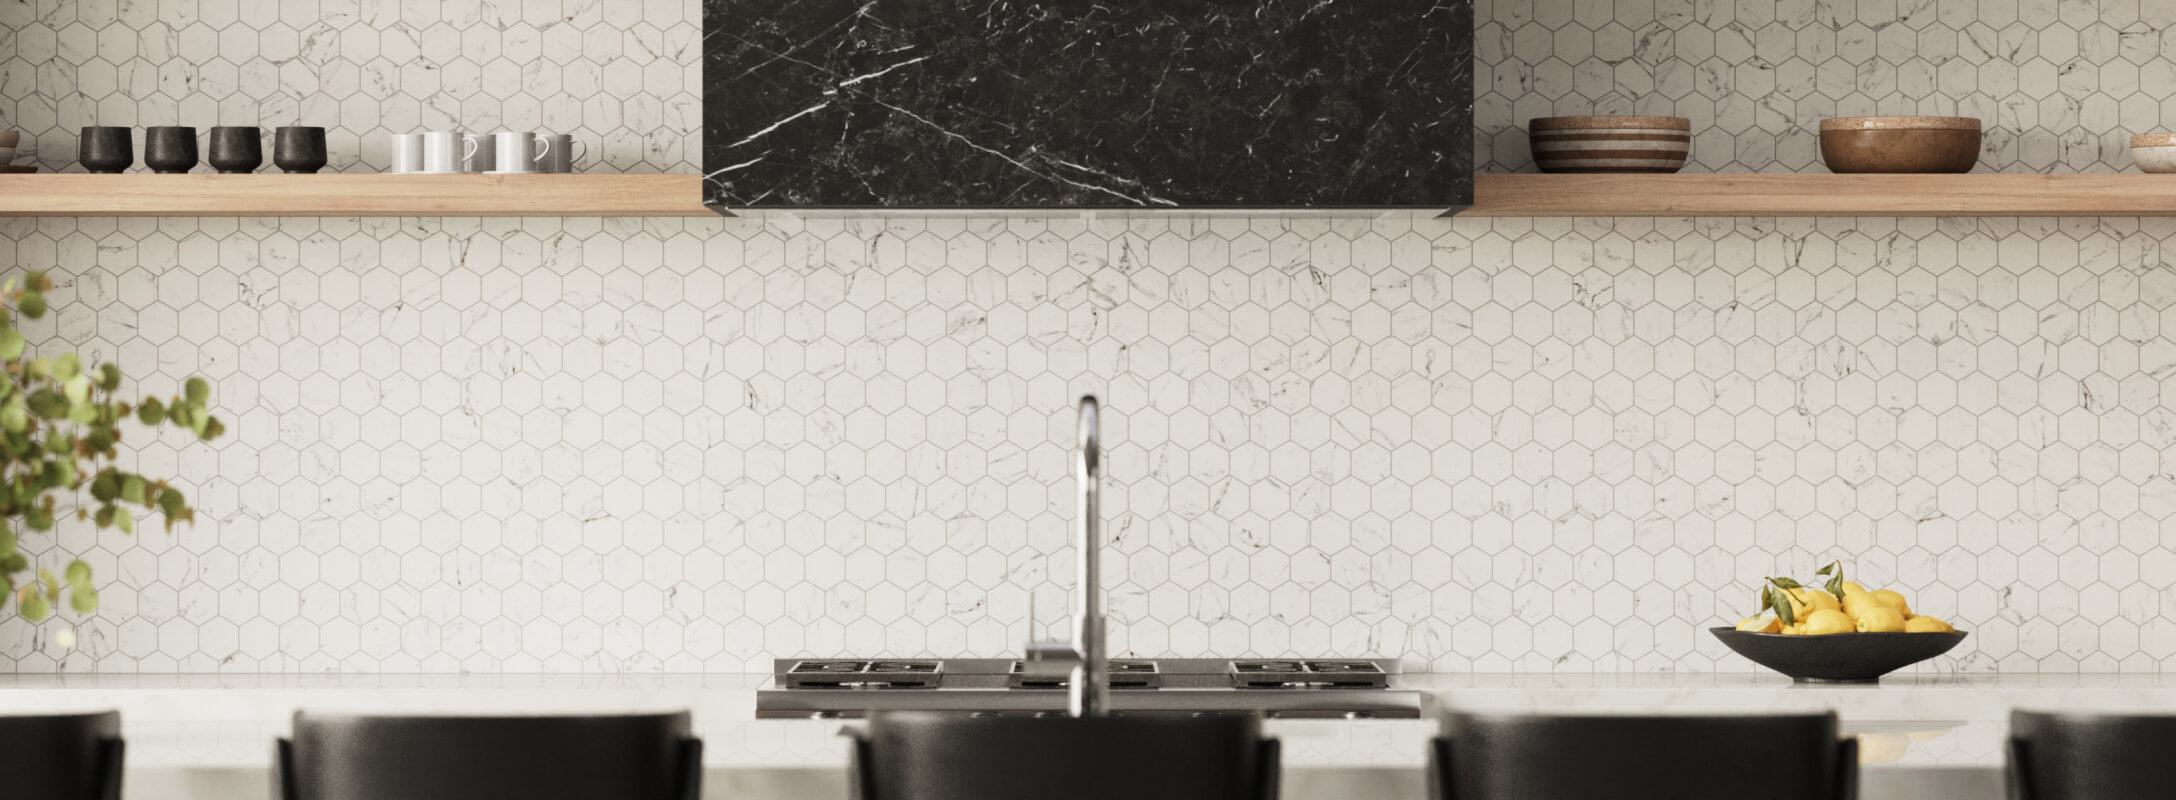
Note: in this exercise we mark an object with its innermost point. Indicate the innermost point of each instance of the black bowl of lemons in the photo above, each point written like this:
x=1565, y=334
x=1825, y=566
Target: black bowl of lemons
x=1841, y=634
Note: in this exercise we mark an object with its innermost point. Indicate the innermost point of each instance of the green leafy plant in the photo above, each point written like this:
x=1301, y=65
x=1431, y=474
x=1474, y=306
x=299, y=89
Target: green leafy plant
x=60, y=426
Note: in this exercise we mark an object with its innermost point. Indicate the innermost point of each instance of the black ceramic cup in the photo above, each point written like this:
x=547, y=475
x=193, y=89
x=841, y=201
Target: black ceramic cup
x=106, y=150
x=170, y=149
x=237, y=150
x=298, y=149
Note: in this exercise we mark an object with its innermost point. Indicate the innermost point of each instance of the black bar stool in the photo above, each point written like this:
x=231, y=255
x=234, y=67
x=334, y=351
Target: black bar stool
x=926, y=756
x=62, y=756
x=1519, y=757
x=635, y=757
x=2090, y=756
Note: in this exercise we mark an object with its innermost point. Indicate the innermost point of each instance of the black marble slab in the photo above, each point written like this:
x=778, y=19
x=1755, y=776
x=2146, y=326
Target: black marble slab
x=1113, y=104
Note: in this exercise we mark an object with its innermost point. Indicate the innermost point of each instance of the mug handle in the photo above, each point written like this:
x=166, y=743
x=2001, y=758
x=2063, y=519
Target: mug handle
x=585, y=154
x=544, y=148
x=468, y=148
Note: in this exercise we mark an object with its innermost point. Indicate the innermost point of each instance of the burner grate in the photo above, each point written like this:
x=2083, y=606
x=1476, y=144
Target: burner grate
x=1308, y=675
x=903, y=674
x=827, y=667
x=1123, y=675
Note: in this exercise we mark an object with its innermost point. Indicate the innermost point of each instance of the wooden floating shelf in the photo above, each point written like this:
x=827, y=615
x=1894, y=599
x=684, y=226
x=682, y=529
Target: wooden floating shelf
x=1496, y=195
x=351, y=195
x=1985, y=195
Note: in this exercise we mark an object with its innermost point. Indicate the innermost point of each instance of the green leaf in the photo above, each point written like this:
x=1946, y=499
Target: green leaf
x=105, y=487
x=32, y=304
x=47, y=404
x=14, y=416
x=109, y=377
x=78, y=574
x=77, y=387
x=7, y=545
x=1786, y=583
x=83, y=599
x=68, y=366
x=1828, y=569
x=38, y=520
x=132, y=490
x=211, y=430
x=151, y=411
x=11, y=344
x=13, y=563
x=171, y=502
x=197, y=391
x=35, y=606
x=124, y=520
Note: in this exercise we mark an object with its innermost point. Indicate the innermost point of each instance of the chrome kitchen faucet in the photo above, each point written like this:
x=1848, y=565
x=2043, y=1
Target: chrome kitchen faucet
x=1083, y=657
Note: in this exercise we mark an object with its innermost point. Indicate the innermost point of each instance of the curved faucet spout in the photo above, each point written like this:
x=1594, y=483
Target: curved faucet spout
x=1091, y=676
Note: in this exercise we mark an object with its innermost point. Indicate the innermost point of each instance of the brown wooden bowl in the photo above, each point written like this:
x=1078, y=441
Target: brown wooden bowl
x=1900, y=144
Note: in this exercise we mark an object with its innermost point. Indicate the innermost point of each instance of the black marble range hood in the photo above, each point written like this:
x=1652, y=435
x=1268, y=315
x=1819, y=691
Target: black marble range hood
x=998, y=104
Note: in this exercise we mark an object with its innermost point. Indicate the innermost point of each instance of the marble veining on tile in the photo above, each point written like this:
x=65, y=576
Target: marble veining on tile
x=1543, y=445
x=957, y=103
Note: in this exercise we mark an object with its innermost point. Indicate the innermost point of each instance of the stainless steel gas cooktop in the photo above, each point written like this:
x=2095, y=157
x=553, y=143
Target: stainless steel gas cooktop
x=1326, y=688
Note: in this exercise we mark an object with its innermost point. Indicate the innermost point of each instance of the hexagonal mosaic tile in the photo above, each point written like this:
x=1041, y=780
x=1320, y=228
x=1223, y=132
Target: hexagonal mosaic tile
x=663, y=444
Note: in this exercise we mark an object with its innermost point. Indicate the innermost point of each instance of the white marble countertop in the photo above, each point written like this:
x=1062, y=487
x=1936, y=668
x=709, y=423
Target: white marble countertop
x=212, y=723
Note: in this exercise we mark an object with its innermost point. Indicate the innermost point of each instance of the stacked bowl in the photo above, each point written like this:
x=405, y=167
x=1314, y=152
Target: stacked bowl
x=1610, y=144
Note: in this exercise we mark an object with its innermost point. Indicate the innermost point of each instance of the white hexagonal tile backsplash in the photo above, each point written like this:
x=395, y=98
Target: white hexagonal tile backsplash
x=663, y=444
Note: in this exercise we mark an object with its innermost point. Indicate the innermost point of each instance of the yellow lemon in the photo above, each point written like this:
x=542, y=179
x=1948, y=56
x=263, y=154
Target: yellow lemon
x=1761, y=624
x=1893, y=600
x=1806, y=601
x=1857, y=604
x=1927, y=624
x=1827, y=621
x=1881, y=620
x=1851, y=588
x=1793, y=630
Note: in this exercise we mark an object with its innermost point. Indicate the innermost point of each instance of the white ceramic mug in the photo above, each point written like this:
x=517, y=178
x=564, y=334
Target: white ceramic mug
x=477, y=153
x=441, y=152
x=558, y=154
x=517, y=151
x=407, y=153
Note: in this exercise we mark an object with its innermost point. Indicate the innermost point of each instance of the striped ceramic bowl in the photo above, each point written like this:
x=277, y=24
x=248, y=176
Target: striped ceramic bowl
x=1610, y=144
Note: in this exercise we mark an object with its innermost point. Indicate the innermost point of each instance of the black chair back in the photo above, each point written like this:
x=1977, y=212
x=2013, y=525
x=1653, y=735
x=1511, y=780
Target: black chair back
x=1520, y=757
x=2090, y=756
x=636, y=757
x=922, y=756
x=61, y=757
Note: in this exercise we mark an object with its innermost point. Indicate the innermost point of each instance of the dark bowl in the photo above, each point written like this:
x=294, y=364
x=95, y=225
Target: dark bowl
x=1837, y=657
